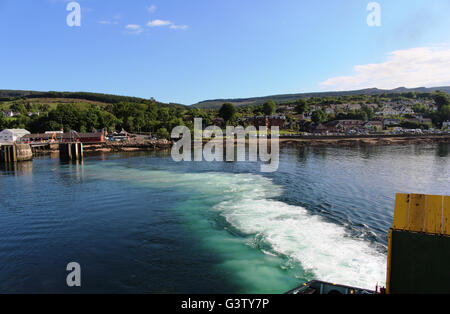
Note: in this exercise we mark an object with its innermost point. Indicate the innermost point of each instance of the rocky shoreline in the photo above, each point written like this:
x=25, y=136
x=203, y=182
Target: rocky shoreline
x=160, y=145
x=130, y=146
x=371, y=141
x=163, y=145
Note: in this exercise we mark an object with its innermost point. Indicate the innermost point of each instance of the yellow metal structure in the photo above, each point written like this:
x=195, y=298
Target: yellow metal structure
x=418, y=213
x=422, y=213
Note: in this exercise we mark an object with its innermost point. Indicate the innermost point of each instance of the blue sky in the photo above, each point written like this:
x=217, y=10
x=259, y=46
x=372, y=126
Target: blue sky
x=187, y=51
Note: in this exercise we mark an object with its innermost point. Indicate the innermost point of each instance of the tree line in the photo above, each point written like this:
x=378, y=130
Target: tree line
x=149, y=116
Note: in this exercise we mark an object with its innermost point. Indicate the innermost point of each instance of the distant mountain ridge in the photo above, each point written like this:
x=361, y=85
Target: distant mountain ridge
x=216, y=103
x=6, y=95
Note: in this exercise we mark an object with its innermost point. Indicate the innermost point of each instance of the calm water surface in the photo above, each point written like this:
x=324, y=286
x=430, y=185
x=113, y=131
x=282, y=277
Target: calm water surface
x=143, y=223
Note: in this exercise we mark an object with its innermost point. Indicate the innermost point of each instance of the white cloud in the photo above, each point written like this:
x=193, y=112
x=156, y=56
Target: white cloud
x=151, y=8
x=105, y=22
x=113, y=21
x=157, y=23
x=133, y=28
x=173, y=26
x=415, y=67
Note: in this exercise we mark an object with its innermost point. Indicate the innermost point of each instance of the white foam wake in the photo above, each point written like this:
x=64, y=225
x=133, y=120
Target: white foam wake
x=321, y=247
x=246, y=202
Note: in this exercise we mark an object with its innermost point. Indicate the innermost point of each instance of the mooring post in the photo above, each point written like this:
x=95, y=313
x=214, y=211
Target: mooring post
x=6, y=151
x=14, y=152
x=71, y=151
x=9, y=153
x=81, y=151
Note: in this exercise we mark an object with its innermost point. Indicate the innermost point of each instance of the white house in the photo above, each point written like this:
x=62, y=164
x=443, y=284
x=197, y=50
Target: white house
x=348, y=107
x=9, y=113
x=391, y=122
x=12, y=135
x=446, y=124
x=387, y=111
x=406, y=110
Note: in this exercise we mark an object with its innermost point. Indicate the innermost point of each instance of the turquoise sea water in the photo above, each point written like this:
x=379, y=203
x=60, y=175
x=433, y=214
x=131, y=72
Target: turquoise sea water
x=140, y=222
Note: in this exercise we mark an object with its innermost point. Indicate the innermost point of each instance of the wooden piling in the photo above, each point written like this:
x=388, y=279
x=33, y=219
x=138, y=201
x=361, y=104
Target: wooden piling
x=71, y=151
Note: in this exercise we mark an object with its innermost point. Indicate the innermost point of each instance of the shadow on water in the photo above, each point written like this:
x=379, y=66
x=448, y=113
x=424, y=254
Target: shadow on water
x=320, y=152
x=302, y=155
x=24, y=168
x=367, y=151
x=443, y=150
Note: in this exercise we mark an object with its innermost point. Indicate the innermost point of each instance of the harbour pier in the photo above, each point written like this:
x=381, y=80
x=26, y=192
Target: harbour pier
x=15, y=153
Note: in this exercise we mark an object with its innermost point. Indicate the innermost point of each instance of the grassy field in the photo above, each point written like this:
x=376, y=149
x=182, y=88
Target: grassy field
x=52, y=102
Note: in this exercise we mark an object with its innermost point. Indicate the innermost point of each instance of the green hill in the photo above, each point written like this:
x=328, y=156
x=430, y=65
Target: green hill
x=81, y=111
x=216, y=103
x=82, y=97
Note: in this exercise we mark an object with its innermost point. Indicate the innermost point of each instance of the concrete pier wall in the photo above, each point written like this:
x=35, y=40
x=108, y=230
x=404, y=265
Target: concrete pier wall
x=15, y=153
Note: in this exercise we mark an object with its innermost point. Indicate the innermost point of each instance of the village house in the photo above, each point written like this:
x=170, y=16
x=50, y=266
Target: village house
x=267, y=121
x=372, y=106
x=387, y=111
x=290, y=108
x=391, y=122
x=405, y=110
x=347, y=125
x=422, y=119
x=321, y=129
x=286, y=108
x=37, y=113
x=349, y=107
x=430, y=105
x=339, y=126
x=9, y=114
x=374, y=125
x=313, y=108
x=307, y=115
x=331, y=127
x=276, y=120
x=255, y=121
